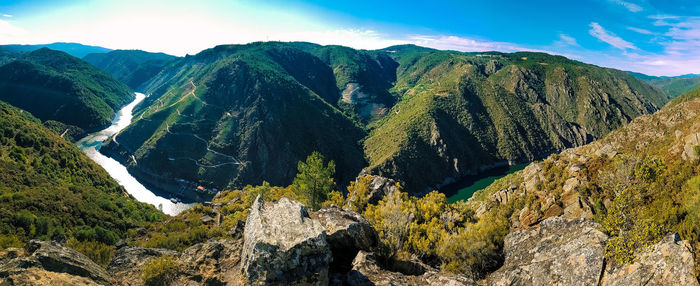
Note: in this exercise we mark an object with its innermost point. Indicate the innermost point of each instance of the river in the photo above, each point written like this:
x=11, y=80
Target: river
x=92, y=143
x=464, y=189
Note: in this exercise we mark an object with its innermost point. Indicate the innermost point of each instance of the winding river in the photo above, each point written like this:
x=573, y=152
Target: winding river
x=92, y=143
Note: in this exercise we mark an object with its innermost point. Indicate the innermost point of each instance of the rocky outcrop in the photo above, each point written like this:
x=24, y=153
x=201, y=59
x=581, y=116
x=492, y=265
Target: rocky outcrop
x=379, y=187
x=347, y=233
x=564, y=251
x=283, y=245
x=366, y=271
x=668, y=262
x=49, y=263
x=215, y=262
x=127, y=262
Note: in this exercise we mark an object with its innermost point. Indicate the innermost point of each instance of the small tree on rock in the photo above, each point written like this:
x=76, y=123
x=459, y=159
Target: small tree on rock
x=314, y=180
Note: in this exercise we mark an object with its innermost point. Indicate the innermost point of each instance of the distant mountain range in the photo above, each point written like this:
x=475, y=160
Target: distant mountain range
x=672, y=86
x=73, y=49
x=132, y=67
x=240, y=114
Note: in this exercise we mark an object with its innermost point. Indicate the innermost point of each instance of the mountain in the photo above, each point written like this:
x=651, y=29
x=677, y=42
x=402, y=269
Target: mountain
x=237, y=115
x=673, y=86
x=423, y=116
x=132, y=67
x=53, y=85
x=460, y=113
x=73, y=49
x=620, y=211
x=49, y=189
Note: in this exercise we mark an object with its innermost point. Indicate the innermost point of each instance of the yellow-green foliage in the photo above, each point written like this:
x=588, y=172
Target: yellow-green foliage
x=187, y=229
x=7, y=241
x=359, y=190
x=440, y=233
x=335, y=198
x=97, y=251
x=159, y=271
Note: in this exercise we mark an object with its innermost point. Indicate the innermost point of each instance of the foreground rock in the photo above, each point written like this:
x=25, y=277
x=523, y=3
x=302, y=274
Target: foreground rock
x=366, y=271
x=347, y=233
x=563, y=251
x=668, y=262
x=283, y=245
x=49, y=263
x=127, y=262
x=214, y=262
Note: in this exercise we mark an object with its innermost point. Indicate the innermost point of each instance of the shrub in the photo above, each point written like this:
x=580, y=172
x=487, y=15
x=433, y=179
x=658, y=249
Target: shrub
x=7, y=241
x=159, y=271
x=98, y=252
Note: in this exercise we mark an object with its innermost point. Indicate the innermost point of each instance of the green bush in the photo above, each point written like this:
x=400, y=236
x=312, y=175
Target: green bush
x=159, y=271
x=98, y=252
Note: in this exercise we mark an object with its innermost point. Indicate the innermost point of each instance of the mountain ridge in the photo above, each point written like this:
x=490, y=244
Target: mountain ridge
x=427, y=84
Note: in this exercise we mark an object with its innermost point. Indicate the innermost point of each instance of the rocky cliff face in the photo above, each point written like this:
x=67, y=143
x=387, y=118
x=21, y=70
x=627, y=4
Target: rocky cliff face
x=572, y=252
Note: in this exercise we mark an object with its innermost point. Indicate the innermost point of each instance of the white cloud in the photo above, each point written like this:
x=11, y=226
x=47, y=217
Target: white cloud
x=9, y=33
x=443, y=42
x=356, y=38
x=634, y=8
x=568, y=40
x=641, y=31
x=599, y=32
x=7, y=15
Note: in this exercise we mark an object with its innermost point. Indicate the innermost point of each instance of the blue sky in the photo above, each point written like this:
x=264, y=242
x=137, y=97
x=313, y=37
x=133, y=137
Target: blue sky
x=658, y=37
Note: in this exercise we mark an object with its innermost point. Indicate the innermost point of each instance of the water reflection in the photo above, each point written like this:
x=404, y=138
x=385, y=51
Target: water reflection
x=92, y=143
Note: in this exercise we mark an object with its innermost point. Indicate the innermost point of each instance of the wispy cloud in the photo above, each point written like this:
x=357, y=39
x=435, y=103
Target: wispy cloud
x=356, y=38
x=9, y=32
x=568, y=40
x=641, y=31
x=443, y=42
x=7, y=15
x=634, y=8
x=599, y=32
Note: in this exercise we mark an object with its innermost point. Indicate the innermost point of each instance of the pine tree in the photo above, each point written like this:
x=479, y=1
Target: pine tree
x=314, y=180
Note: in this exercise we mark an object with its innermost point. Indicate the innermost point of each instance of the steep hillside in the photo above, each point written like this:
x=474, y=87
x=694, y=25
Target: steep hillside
x=237, y=115
x=73, y=49
x=53, y=85
x=49, y=189
x=364, y=79
x=460, y=113
x=132, y=67
x=432, y=116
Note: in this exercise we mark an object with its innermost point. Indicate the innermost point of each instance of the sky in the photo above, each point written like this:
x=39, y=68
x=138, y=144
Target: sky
x=656, y=37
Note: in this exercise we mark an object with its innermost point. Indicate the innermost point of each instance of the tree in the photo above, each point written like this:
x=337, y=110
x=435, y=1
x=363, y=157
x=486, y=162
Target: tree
x=314, y=180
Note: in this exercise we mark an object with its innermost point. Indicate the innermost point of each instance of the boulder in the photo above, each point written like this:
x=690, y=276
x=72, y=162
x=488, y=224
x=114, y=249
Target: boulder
x=214, y=262
x=690, y=142
x=560, y=251
x=347, y=233
x=36, y=276
x=668, y=262
x=127, y=262
x=283, y=245
x=366, y=271
x=50, y=263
